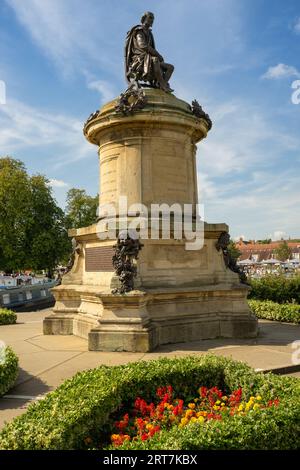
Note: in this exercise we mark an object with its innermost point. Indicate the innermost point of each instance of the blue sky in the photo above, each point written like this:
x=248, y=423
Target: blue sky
x=62, y=59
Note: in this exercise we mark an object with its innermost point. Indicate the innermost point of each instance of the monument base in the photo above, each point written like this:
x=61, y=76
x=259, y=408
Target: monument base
x=140, y=321
x=180, y=296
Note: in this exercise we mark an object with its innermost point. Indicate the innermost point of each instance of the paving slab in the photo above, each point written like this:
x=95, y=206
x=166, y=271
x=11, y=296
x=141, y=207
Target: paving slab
x=88, y=360
x=295, y=374
x=10, y=408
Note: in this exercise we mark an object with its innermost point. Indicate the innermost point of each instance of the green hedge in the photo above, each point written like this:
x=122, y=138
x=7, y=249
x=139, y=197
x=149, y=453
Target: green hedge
x=7, y=317
x=272, y=311
x=81, y=406
x=277, y=288
x=8, y=369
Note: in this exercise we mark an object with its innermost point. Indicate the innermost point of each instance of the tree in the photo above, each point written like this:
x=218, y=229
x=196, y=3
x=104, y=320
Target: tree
x=50, y=243
x=233, y=250
x=266, y=241
x=14, y=213
x=81, y=208
x=283, y=252
x=33, y=232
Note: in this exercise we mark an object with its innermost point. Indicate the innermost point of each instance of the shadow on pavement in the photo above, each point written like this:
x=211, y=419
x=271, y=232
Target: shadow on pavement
x=270, y=333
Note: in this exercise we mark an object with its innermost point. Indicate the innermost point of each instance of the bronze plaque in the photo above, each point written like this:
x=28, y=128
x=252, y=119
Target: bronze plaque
x=99, y=259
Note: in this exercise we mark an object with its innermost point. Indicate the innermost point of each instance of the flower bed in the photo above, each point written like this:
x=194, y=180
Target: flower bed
x=79, y=414
x=8, y=369
x=146, y=420
x=7, y=317
x=272, y=311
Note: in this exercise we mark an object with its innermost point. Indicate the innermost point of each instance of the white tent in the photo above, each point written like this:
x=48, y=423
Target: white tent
x=271, y=261
x=245, y=262
x=294, y=261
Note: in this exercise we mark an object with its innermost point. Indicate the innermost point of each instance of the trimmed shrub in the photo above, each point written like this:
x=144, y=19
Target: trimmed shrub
x=7, y=317
x=8, y=369
x=80, y=409
x=277, y=288
x=272, y=311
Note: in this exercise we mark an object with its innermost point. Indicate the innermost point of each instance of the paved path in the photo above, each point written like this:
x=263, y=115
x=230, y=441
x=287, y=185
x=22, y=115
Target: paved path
x=46, y=361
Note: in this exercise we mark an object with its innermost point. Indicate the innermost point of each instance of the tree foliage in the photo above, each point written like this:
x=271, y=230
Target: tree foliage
x=33, y=232
x=233, y=250
x=81, y=208
x=283, y=252
x=266, y=241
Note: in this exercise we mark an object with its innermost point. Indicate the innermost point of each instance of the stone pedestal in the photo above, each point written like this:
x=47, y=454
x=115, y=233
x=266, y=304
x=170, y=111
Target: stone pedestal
x=181, y=295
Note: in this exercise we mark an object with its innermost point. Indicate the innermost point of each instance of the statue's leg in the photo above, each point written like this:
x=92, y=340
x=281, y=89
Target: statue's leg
x=168, y=70
x=159, y=77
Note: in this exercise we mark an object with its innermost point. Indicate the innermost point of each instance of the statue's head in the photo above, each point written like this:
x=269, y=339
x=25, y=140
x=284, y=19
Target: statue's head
x=147, y=19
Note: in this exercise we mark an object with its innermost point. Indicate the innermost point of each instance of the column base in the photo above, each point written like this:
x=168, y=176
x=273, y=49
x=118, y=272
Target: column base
x=140, y=321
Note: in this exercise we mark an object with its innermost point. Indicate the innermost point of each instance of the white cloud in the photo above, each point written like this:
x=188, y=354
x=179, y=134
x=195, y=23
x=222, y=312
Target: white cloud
x=297, y=26
x=68, y=33
x=281, y=71
x=278, y=235
x=239, y=237
x=58, y=183
x=24, y=127
x=258, y=207
x=218, y=69
x=239, y=179
x=106, y=90
x=240, y=139
x=207, y=188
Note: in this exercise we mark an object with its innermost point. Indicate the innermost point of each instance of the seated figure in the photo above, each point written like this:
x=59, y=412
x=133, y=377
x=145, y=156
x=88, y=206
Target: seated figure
x=142, y=61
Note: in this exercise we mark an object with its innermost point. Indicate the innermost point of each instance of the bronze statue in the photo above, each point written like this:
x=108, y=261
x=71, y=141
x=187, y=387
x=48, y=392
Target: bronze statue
x=142, y=61
x=230, y=262
x=126, y=251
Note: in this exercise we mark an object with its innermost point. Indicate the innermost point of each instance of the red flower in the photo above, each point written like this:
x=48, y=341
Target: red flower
x=140, y=423
x=273, y=402
x=144, y=437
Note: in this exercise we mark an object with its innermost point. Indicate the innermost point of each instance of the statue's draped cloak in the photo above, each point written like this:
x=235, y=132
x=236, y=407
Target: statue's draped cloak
x=138, y=64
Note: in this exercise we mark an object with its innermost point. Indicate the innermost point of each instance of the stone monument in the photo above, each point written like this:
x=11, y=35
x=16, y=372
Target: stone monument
x=124, y=294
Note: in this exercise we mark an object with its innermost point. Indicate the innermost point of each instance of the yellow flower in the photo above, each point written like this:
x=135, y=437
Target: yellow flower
x=184, y=421
x=191, y=405
x=258, y=398
x=256, y=406
x=200, y=419
x=218, y=402
x=215, y=407
x=149, y=426
x=222, y=404
x=252, y=398
x=193, y=419
x=225, y=398
x=241, y=407
x=189, y=413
